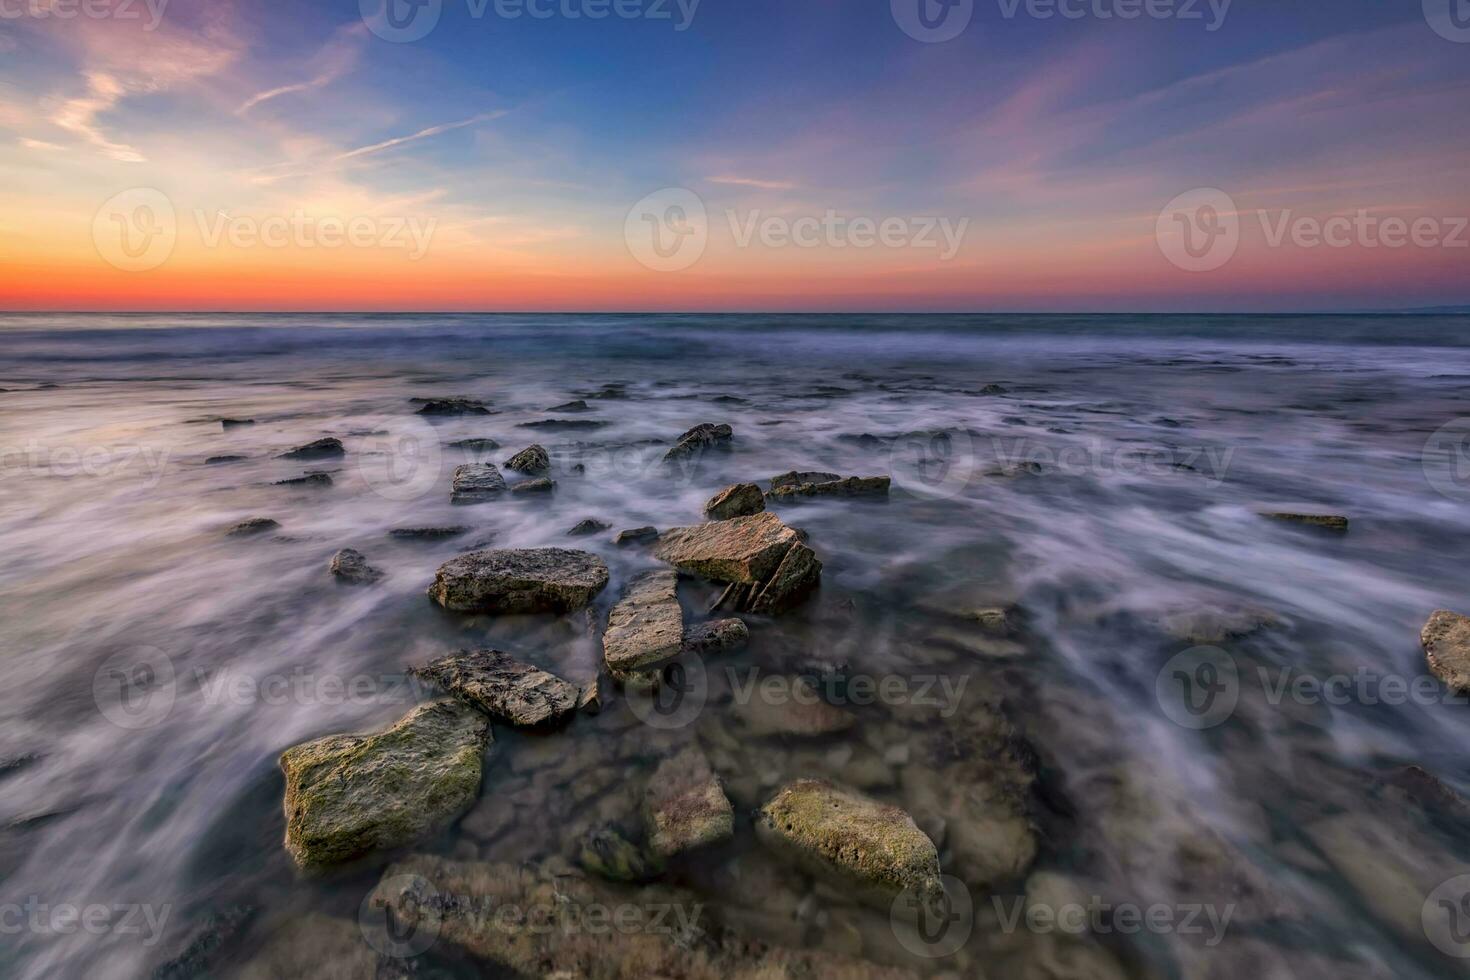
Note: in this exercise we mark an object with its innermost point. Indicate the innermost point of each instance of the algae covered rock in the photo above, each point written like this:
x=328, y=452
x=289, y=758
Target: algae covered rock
x=608, y=854
x=685, y=806
x=536, y=580
x=1446, y=642
x=502, y=687
x=740, y=500
x=349, y=795
x=853, y=486
x=853, y=842
x=1328, y=522
x=533, y=460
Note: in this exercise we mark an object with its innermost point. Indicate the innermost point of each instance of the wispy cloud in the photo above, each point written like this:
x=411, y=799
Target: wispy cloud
x=422, y=134
x=337, y=57
x=765, y=185
x=79, y=116
x=31, y=144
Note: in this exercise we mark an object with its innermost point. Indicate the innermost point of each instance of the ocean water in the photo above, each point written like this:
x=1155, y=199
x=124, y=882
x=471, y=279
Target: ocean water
x=1102, y=477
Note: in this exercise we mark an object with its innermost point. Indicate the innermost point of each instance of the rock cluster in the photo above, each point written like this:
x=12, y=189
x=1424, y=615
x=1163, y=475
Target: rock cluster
x=767, y=567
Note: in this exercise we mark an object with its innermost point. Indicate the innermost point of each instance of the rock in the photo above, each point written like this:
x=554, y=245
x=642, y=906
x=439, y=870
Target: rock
x=349, y=795
x=351, y=567
x=428, y=533
x=608, y=854
x=768, y=567
x=587, y=527
x=255, y=525
x=646, y=627
x=716, y=635
x=636, y=535
x=536, y=580
x=589, y=697
x=504, y=688
x=572, y=406
x=475, y=483
x=993, y=390
x=1446, y=642
x=1204, y=625
x=740, y=500
x=870, y=849
x=197, y=959
x=553, y=425
x=685, y=807
x=218, y=460
x=791, y=707
x=797, y=478
x=1330, y=522
x=453, y=406
x=797, y=575
x=235, y=423
x=538, y=485
x=853, y=486
x=309, y=480
x=699, y=439
x=534, y=460
x=321, y=449
x=479, y=445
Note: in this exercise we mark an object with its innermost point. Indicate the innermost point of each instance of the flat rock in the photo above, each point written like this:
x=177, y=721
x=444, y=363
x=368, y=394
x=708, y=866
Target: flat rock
x=769, y=569
x=853, y=486
x=636, y=535
x=535, y=580
x=532, y=460
x=480, y=445
x=1329, y=522
x=796, y=478
x=255, y=525
x=220, y=460
x=350, y=795
x=716, y=635
x=428, y=533
x=797, y=711
x=685, y=806
x=504, y=688
x=565, y=425
x=475, y=483
x=577, y=405
x=235, y=423
x=740, y=500
x=539, y=485
x=1446, y=641
x=351, y=566
x=646, y=627
x=453, y=406
x=588, y=526
x=698, y=440
x=321, y=449
x=309, y=480
x=874, y=850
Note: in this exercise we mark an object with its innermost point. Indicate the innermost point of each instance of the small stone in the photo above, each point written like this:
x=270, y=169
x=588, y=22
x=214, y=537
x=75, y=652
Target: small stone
x=197, y=960
x=565, y=425
x=589, y=697
x=504, y=688
x=453, y=406
x=538, y=485
x=572, y=406
x=478, y=445
x=797, y=478
x=608, y=854
x=217, y=460
x=587, y=527
x=255, y=525
x=1446, y=642
x=636, y=535
x=1329, y=522
x=533, y=460
x=321, y=449
x=351, y=567
x=740, y=500
x=428, y=533
x=235, y=423
x=475, y=483
x=685, y=806
x=349, y=795
x=699, y=439
x=716, y=635
x=993, y=390
x=535, y=580
x=309, y=480
x=646, y=627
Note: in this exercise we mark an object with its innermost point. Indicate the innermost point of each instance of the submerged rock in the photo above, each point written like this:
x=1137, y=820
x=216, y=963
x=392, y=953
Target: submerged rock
x=1205, y=625
x=479, y=445
x=853, y=486
x=646, y=627
x=349, y=795
x=716, y=635
x=1330, y=522
x=452, y=406
x=1446, y=642
x=685, y=806
x=321, y=449
x=533, y=460
x=198, y=958
x=220, y=460
x=428, y=533
x=475, y=483
x=235, y=423
x=791, y=708
x=587, y=527
x=572, y=406
x=608, y=854
x=255, y=525
x=535, y=580
x=538, y=485
x=309, y=480
x=351, y=566
x=796, y=478
x=553, y=425
x=504, y=688
x=636, y=535
x=740, y=500
x=871, y=849
x=698, y=440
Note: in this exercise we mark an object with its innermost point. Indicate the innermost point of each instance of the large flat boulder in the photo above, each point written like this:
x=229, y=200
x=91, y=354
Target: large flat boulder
x=874, y=850
x=1446, y=641
x=767, y=566
x=475, y=483
x=534, y=580
x=646, y=627
x=685, y=807
x=349, y=795
x=504, y=688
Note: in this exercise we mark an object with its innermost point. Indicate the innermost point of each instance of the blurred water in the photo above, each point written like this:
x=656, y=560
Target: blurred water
x=1159, y=439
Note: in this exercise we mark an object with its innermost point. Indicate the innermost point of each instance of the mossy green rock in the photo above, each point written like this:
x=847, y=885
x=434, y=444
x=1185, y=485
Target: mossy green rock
x=608, y=854
x=856, y=843
x=349, y=795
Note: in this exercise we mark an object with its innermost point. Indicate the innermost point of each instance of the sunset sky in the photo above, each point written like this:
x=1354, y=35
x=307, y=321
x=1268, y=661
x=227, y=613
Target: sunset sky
x=517, y=147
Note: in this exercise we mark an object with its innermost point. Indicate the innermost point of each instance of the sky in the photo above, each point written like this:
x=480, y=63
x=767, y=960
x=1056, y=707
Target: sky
x=708, y=155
